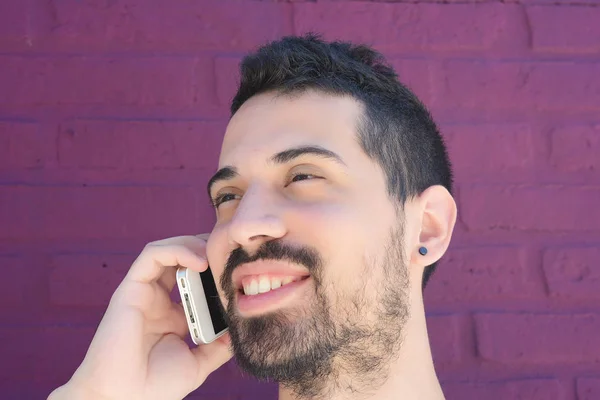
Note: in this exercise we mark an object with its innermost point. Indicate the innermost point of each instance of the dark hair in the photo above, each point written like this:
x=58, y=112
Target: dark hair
x=395, y=130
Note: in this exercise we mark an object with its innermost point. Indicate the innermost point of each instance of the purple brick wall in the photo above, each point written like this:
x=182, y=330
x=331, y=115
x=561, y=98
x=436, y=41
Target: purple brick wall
x=112, y=111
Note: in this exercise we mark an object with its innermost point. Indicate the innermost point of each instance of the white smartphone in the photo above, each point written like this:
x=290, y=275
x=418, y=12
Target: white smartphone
x=202, y=305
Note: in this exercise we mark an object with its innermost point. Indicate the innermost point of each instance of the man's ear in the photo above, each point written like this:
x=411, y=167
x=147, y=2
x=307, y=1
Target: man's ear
x=437, y=224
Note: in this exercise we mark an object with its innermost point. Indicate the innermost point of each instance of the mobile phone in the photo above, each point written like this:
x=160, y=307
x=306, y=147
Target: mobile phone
x=202, y=305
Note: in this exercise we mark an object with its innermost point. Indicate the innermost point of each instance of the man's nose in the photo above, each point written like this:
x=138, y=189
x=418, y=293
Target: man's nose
x=257, y=219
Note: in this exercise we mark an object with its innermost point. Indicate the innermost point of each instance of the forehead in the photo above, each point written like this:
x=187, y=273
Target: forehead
x=266, y=124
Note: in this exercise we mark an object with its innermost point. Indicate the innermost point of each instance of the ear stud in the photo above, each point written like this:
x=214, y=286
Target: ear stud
x=422, y=250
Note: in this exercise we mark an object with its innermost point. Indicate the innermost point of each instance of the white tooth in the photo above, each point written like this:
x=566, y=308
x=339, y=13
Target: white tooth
x=275, y=283
x=287, y=280
x=246, y=289
x=264, y=285
x=253, y=287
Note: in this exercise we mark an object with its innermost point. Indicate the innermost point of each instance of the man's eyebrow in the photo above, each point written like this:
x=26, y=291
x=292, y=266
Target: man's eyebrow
x=282, y=157
x=290, y=154
x=223, y=174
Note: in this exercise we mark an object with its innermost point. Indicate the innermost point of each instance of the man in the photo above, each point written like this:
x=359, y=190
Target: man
x=332, y=197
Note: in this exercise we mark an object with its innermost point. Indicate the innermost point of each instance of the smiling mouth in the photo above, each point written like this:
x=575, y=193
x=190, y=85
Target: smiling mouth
x=255, y=285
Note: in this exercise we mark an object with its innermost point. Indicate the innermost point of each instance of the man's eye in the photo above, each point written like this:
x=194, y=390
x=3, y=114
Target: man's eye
x=302, y=177
x=225, y=197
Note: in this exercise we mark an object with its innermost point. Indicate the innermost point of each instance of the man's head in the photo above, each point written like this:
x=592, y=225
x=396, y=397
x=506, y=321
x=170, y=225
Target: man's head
x=332, y=175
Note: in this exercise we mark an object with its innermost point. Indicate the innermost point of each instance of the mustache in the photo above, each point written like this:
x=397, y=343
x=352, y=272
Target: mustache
x=271, y=250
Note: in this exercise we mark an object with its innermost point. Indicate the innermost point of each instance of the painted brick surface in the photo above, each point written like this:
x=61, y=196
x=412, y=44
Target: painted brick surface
x=402, y=27
x=571, y=30
x=573, y=272
x=505, y=150
x=530, y=208
x=94, y=144
x=448, y=340
x=185, y=26
x=520, y=88
x=530, y=389
x=588, y=388
x=82, y=279
x=563, y=338
x=574, y=149
x=25, y=145
x=75, y=212
x=46, y=352
x=115, y=81
x=111, y=120
x=484, y=275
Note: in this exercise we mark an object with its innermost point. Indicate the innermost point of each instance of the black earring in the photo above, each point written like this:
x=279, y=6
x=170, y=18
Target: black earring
x=422, y=250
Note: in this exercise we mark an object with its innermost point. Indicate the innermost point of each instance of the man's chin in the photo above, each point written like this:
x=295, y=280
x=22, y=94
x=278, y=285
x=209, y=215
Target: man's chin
x=261, y=352
x=271, y=346
x=262, y=333
x=290, y=368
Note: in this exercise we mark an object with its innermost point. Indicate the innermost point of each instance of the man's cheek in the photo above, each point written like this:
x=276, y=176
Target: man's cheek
x=216, y=249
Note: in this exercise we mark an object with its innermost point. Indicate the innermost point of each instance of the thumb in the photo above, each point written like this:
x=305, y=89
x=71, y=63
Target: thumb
x=211, y=356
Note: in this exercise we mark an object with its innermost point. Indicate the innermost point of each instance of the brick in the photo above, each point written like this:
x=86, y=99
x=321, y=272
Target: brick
x=140, y=144
x=575, y=148
x=228, y=382
x=21, y=390
x=573, y=272
x=227, y=74
x=537, y=339
x=446, y=335
x=43, y=356
x=529, y=208
x=524, y=389
x=491, y=151
x=86, y=279
x=483, y=273
x=215, y=396
x=565, y=29
x=588, y=388
x=25, y=289
x=196, y=179
x=402, y=26
x=556, y=2
x=22, y=23
x=108, y=212
x=183, y=26
x=25, y=145
x=492, y=86
x=14, y=22
x=81, y=80
x=417, y=75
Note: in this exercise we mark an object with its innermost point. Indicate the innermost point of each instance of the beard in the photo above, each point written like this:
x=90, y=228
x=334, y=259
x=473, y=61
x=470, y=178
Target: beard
x=338, y=342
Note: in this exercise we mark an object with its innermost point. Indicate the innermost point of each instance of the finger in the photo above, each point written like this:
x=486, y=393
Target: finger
x=169, y=278
x=203, y=236
x=180, y=326
x=174, y=322
x=150, y=264
x=211, y=356
x=194, y=242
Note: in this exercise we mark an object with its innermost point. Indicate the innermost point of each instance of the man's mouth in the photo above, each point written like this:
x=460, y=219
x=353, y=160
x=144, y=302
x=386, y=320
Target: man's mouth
x=254, y=285
x=266, y=286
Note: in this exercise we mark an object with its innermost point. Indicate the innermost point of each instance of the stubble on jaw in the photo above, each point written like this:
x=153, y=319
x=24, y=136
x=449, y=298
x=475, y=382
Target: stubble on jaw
x=339, y=343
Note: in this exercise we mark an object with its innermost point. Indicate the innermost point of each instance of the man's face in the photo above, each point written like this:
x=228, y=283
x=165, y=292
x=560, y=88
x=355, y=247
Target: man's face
x=308, y=246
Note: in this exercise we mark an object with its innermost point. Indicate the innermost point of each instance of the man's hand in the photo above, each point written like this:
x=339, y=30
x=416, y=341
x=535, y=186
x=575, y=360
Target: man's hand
x=138, y=351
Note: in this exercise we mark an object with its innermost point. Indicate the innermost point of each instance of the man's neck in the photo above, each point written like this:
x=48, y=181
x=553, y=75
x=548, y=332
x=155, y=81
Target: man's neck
x=411, y=375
